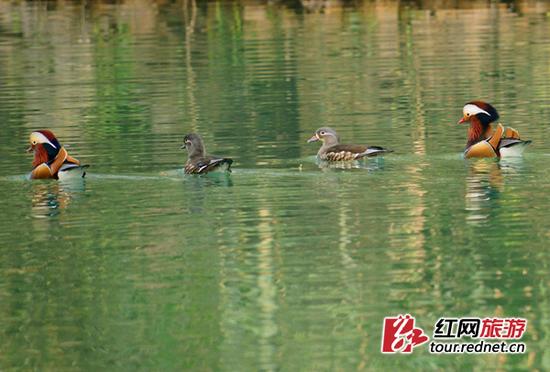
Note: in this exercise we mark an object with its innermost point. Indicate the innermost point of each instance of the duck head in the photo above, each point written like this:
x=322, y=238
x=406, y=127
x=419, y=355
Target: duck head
x=480, y=115
x=44, y=145
x=192, y=142
x=327, y=135
x=478, y=110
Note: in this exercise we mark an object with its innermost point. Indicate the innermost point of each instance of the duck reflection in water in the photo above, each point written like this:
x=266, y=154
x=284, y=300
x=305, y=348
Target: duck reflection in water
x=370, y=165
x=200, y=187
x=50, y=198
x=484, y=185
x=212, y=179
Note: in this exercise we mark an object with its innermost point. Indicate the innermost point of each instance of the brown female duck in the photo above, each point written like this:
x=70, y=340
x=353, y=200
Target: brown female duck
x=198, y=161
x=333, y=150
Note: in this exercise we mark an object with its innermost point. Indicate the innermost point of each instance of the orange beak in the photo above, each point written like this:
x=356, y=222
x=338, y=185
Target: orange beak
x=314, y=138
x=462, y=120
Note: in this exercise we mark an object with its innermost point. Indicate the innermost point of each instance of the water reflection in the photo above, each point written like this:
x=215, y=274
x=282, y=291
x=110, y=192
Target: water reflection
x=371, y=165
x=267, y=299
x=211, y=179
x=484, y=183
x=512, y=167
x=51, y=197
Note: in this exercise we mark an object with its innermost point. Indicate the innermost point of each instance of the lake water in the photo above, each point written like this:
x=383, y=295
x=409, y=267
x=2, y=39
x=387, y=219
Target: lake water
x=282, y=265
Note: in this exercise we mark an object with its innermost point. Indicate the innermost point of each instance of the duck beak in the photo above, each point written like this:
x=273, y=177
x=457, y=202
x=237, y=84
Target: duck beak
x=29, y=149
x=462, y=120
x=315, y=138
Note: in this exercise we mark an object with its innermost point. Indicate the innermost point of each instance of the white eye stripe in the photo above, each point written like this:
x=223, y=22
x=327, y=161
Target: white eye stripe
x=42, y=139
x=471, y=109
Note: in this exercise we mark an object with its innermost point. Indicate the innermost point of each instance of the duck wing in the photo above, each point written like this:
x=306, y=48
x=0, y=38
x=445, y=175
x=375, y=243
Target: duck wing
x=208, y=164
x=509, y=147
x=69, y=169
x=351, y=152
x=509, y=142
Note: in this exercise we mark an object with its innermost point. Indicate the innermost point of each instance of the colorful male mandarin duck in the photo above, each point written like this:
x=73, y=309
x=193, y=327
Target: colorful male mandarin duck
x=332, y=150
x=51, y=160
x=483, y=142
x=198, y=161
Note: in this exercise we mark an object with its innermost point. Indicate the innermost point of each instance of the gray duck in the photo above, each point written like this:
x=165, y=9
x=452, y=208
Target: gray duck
x=198, y=161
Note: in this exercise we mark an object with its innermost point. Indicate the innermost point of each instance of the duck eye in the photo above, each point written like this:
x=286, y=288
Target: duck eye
x=467, y=114
x=34, y=142
x=322, y=133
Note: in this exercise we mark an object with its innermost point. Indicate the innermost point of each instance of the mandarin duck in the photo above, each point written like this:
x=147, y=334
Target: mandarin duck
x=51, y=160
x=483, y=141
x=198, y=161
x=332, y=150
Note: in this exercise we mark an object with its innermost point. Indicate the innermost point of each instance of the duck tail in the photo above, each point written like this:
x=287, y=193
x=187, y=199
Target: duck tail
x=513, y=147
x=214, y=164
x=373, y=151
x=229, y=162
x=72, y=170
